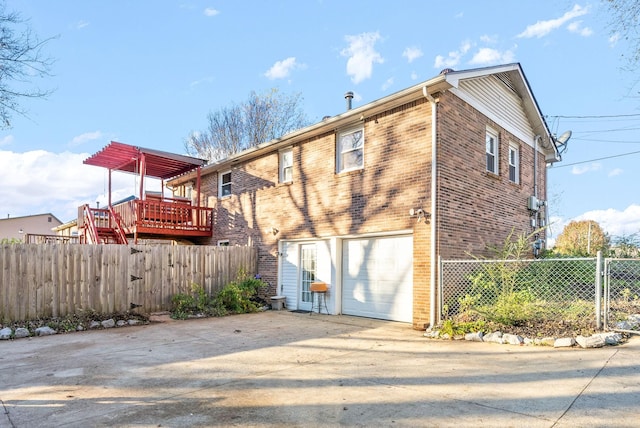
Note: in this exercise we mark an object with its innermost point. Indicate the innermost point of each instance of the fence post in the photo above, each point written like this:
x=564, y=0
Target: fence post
x=439, y=291
x=599, y=290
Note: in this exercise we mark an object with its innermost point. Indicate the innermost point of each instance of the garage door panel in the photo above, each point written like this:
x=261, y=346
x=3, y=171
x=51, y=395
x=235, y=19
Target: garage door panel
x=378, y=278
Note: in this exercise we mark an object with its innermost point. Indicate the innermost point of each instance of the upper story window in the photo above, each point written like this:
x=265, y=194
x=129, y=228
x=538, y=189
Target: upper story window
x=224, y=185
x=350, y=150
x=286, y=165
x=514, y=164
x=491, y=141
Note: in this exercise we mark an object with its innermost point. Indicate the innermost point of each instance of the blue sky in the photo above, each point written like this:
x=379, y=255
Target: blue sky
x=147, y=73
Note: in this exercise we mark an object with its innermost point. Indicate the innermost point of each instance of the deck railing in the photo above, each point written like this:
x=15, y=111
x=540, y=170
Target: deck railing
x=163, y=215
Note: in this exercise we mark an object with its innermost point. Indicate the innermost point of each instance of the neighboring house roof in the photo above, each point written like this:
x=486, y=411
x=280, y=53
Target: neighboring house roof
x=26, y=217
x=18, y=227
x=67, y=225
x=158, y=164
x=510, y=74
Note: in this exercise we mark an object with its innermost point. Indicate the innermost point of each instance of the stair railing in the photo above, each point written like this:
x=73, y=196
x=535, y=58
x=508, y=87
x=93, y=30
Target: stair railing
x=89, y=225
x=122, y=238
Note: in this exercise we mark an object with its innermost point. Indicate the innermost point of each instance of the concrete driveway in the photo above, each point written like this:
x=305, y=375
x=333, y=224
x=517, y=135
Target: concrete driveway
x=280, y=368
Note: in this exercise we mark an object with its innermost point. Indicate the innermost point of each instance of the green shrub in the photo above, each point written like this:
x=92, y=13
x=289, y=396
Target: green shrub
x=453, y=328
x=240, y=296
x=515, y=308
x=195, y=303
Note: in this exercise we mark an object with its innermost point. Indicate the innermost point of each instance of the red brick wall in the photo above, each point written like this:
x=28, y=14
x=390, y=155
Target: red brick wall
x=478, y=209
x=321, y=203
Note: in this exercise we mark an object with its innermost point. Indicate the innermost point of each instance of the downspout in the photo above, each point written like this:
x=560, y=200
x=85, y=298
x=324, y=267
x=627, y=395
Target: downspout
x=434, y=170
x=535, y=165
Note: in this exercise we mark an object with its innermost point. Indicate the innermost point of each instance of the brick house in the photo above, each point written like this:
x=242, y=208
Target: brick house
x=367, y=200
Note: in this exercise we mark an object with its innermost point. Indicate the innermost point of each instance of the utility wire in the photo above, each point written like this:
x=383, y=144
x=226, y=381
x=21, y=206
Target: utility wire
x=593, y=160
x=595, y=117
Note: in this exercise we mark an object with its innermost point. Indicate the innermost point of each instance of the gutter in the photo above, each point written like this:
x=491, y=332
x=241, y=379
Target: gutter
x=434, y=188
x=329, y=125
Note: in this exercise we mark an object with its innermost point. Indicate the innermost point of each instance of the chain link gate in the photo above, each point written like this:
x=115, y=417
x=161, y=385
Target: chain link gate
x=622, y=295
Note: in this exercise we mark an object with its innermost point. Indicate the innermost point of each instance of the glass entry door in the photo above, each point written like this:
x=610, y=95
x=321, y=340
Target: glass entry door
x=308, y=266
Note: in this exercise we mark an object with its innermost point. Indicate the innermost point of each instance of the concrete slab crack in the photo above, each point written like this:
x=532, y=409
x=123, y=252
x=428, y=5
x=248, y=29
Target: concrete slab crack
x=606, y=363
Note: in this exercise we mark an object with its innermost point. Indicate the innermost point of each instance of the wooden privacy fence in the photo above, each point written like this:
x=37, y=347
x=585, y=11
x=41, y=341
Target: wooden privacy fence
x=55, y=280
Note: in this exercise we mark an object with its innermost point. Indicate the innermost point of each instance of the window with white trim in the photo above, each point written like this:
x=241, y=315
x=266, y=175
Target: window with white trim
x=350, y=150
x=223, y=243
x=491, y=143
x=514, y=164
x=286, y=165
x=224, y=185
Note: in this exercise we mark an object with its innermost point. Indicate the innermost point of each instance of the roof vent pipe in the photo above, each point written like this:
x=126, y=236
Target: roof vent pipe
x=349, y=97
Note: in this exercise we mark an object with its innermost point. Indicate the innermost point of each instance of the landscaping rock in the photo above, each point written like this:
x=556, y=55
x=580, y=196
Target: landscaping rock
x=634, y=318
x=625, y=325
x=594, y=341
x=495, y=337
x=546, y=341
x=121, y=323
x=79, y=327
x=22, y=332
x=94, y=324
x=474, y=337
x=133, y=321
x=5, y=333
x=110, y=323
x=45, y=331
x=512, y=339
x=564, y=342
x=611, y=338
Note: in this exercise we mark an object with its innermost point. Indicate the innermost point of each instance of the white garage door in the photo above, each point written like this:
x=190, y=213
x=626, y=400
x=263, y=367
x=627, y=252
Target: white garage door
x=377, y=277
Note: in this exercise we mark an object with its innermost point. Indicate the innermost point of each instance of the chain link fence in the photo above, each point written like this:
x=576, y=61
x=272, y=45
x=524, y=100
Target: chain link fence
x=622, y=294
x=564, y=292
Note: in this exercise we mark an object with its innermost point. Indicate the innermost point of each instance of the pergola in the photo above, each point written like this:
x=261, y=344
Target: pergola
x=145, y=162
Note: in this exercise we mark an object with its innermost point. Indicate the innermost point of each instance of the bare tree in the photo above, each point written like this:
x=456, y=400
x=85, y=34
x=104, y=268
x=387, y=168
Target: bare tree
x=21, y=60
x=625, y=22
x=261, y=118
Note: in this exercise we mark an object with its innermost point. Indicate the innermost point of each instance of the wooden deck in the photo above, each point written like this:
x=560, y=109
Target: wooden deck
x=152, y=218
x=168, y=217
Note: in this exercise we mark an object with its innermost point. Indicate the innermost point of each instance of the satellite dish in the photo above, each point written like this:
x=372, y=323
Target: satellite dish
x=561, y=141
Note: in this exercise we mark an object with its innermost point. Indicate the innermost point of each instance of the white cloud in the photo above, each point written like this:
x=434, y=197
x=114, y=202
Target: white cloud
x=387, y=84
x=412, y=53
x=283, y=69
x=615, y=172
x=453, y=58
x=488, y=39
x=491, y=56
x=41, y=182
x=576, y=27
x=542, y=28
x=414, y=75
x=582, y=169
x=362, y=55
x=81, y=24
x=211, y=11
x=614, y=222
x=84, y=138
x=202, y=81
x=613, y=40
x=5, y=141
